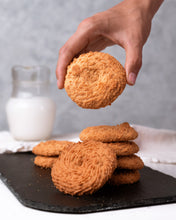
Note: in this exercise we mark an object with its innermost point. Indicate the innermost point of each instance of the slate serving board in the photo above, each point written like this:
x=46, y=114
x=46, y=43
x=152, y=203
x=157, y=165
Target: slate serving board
x=33, y=187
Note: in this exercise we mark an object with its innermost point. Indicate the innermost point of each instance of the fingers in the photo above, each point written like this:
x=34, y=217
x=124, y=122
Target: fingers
x=66, y=54
x=133, y=63
x=76, y=44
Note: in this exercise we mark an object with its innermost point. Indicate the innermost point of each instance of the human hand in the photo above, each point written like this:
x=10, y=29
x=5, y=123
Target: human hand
x=127, y=24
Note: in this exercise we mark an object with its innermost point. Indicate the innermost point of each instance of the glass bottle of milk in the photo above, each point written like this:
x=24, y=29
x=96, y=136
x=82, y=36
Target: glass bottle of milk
x=30, y=110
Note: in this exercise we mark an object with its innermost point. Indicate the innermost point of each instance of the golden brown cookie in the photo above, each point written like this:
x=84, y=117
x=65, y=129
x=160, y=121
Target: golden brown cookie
x=45, y=162
x=107, y=133
x=94, y=80
x=50, y=148
x=132, y=162
x=124, y=177
x=83, y=168
x=124, y=148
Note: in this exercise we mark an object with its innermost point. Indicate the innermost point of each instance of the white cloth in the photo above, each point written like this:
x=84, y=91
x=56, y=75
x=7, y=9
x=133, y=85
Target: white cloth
x=156, y=145
x=9, y=145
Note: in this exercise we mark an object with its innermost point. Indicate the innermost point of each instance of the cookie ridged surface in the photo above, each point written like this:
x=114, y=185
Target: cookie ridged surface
x=124, y=177
x=94, y=80
x=83, y=168
x=107, y=133
x=45, y=162
x=50, y=148
x=124, y=148
x=132, y=162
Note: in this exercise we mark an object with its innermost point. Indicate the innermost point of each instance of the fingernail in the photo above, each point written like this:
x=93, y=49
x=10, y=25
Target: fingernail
x=58, y=84
x=132, y=78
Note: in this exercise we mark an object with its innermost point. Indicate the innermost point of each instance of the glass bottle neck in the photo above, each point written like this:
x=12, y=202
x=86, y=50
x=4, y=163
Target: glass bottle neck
x=27, y=89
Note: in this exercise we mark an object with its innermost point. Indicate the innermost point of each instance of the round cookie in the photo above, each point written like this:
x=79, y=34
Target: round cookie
x=45, y=162
x=124, y=148
x=83, y=168
x=132, y=162
x=50, y=148
x=94, y=80
x=107, y=133
x=124, y=177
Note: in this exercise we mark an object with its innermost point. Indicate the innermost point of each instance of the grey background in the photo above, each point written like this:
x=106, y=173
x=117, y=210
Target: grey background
x=31, y=33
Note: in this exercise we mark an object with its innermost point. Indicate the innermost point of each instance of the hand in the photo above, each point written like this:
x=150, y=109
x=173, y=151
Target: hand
x=127, y=24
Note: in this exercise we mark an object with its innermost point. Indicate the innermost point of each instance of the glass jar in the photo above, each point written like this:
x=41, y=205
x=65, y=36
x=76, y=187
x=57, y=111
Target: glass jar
x=30, y=110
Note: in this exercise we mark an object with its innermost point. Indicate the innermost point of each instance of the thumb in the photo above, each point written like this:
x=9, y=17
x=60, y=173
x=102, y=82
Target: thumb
x=133, y=63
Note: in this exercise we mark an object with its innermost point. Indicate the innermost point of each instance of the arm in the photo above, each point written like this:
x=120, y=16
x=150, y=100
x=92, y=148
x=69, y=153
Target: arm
x=127, y=24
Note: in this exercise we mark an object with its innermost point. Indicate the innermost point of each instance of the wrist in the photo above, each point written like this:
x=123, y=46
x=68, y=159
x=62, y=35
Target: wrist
x=153, y=6
x=149, y=7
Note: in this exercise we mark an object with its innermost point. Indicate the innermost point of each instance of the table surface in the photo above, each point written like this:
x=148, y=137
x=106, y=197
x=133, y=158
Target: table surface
x=10, y=206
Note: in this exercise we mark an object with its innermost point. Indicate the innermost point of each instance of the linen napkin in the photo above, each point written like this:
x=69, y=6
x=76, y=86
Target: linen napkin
x=9, y=145
x=156, y=145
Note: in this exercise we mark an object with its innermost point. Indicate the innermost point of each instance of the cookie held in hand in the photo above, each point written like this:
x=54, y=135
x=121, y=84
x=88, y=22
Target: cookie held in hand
x=95, y=80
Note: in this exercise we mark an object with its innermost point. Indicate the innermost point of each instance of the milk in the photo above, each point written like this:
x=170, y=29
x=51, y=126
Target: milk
x=31, y=118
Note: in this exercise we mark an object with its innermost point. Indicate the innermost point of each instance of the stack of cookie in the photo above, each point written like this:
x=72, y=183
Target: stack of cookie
x=106, y=154
x=118, y=138
x=48, y=152
x=76, y=168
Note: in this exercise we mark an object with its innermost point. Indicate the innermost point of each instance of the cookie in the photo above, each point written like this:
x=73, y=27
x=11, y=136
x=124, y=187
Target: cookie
x=132, y=162
x=94, y=80
x=83, y=168
x=50, y=148
x=124, y=148
x=107, y=133
x=124, y=177
x=45, y=162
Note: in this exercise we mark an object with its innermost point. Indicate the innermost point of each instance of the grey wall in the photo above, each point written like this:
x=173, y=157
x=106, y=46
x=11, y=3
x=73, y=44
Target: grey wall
x=31, y=33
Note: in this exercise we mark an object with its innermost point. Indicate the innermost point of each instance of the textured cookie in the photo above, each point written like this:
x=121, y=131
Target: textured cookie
x=45, y=162
x=132, y=162
x=124, y=177
x=83, y=168
x=50, y=148
x=107, y=133
x=94, y=80
x=124, y=148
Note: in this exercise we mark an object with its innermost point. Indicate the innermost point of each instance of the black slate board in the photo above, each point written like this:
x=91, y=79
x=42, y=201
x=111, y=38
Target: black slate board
x=33, y=188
